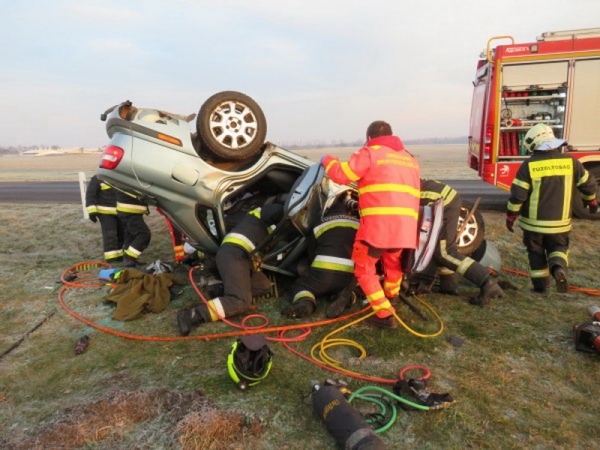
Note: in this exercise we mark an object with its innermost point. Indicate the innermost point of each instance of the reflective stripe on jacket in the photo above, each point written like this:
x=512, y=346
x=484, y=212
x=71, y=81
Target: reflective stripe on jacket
x=334, y=238
x=127, y=203
x=388, y=183
x=433, y=190
x=542, y=191
x=100, y=198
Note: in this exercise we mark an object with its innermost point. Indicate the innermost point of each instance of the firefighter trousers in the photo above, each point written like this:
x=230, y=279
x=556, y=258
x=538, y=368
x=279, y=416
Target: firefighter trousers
x=365, y=259
x=447, y=254
x=112, y=236
x=319, y=282
x=240, y=283
x=545, y=252
x=137, y=234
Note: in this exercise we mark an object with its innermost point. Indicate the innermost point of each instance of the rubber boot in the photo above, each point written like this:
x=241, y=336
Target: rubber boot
x=489, y=290
x=342, y=301
x=188, y=317
x=560, y=275
x=301, y=308
x=540, y=285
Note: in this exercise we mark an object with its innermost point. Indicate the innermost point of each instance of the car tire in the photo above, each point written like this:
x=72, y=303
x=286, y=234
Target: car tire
x=231, y=126
x=474, y=232
x=580, y=211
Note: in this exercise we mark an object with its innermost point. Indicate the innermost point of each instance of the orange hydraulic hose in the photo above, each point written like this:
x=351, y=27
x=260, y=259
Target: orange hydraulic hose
x=592, y=292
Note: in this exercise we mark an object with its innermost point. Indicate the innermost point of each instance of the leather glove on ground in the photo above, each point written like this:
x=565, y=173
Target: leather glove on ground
x=593, y=206
x=94, y=217
x=510, y=221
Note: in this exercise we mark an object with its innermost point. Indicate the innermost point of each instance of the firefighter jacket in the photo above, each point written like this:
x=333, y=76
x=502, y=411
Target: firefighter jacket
x=387, y=177
x=331, y=248
x=433, y=190
x=254, y=227
x=100, y=198
x=542, y=191
x=127, y=203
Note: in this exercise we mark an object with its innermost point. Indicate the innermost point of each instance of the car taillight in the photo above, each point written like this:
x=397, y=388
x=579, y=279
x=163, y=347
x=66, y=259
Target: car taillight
x=487, y=146
x=111, y=157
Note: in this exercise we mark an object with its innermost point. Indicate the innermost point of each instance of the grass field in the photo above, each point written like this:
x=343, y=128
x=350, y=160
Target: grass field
x=517, y=380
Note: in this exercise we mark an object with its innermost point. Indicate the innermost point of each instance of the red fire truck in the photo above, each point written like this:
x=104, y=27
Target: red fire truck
x=556, y=81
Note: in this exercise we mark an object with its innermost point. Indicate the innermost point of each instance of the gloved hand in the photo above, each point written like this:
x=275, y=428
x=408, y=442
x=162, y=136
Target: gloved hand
x=193, y=259
x=510, y=221
x=593, y=206
x=94, y=217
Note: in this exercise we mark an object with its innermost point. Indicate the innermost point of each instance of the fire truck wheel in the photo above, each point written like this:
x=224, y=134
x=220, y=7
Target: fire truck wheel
x=474, y=232
x=580, y=211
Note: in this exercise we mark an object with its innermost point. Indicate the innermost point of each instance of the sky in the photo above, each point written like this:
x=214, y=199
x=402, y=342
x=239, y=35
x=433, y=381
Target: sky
x=320, y=70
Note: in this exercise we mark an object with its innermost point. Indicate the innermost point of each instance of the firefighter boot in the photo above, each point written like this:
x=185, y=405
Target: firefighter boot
x=489, y=290
x=389, y=322
x=560, y=275
x=188, y=317
x=302, y=307
x=540, y=285
x=341, y=302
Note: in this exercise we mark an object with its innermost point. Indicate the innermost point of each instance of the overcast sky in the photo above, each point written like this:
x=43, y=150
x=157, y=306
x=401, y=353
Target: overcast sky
x=321, y=70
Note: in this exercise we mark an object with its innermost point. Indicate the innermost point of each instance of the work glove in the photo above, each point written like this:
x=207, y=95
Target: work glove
x=94, y=217
x=193, y=259
x=593, y=206
x=510, y=221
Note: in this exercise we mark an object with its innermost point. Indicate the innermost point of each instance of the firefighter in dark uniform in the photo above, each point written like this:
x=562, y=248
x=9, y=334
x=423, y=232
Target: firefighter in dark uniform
x=131, y=211
x=540, y=197
x=240, y=281
x=446, y=253
x=331, y=270
x=101, y=204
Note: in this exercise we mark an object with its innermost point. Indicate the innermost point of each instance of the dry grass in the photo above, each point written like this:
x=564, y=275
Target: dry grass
x=517, y=380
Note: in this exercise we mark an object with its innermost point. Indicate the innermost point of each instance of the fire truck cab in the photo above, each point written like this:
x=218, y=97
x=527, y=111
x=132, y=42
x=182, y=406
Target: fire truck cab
x=556, y=81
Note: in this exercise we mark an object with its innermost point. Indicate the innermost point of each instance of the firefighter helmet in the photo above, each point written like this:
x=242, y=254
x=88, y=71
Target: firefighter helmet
x=249, y=360
x=541, y=137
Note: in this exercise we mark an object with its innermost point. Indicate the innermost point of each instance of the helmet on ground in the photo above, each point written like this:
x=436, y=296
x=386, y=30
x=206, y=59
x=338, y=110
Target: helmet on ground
x=541, y=137
x=249, y=360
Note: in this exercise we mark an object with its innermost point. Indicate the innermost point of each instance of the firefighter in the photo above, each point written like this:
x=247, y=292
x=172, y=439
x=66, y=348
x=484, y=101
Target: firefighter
x=240, y=281
x=388, y=201
x=540, y=197
x=331, y=269
x=131, y=211
x=446, y=253
x=101, y=204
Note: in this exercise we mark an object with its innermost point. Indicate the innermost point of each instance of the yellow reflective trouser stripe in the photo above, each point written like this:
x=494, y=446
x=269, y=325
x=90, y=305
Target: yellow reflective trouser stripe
x=390, y=187
x=379, y=301
x=320, y=229
x=113, y=254
x=392, y=288
x=348, y=171
x=462, y=266
x=388, y=210
x=133, y=252
x=216, y=306
x=304, y=294
x=521, y=183
x=544, y=273
x=560, y=255
x=333, y=263
x=239, y=239
x=255, y=212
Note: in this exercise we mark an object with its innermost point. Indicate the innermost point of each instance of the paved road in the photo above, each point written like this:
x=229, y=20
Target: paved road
x=492, y=198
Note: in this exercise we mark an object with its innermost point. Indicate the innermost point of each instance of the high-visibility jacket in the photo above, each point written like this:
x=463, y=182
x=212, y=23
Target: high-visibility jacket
x=542, y=191
x=331, y=248
x=254, y=227
x=387, y=177
x=100, y=198
x=129, y=204
x=433, y=190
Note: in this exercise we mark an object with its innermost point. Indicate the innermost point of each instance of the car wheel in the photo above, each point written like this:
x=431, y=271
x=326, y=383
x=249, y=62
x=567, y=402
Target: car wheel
x=231, y=126
x=580, y=211
x=473, y=233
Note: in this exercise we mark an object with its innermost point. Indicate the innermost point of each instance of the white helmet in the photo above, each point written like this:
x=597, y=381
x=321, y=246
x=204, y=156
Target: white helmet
x=541, y=137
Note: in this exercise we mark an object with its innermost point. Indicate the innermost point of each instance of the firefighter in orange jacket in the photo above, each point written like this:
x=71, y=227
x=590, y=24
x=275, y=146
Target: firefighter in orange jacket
x=388, y=201
x=131, y=211
x=540, y=196
x=101, y=204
